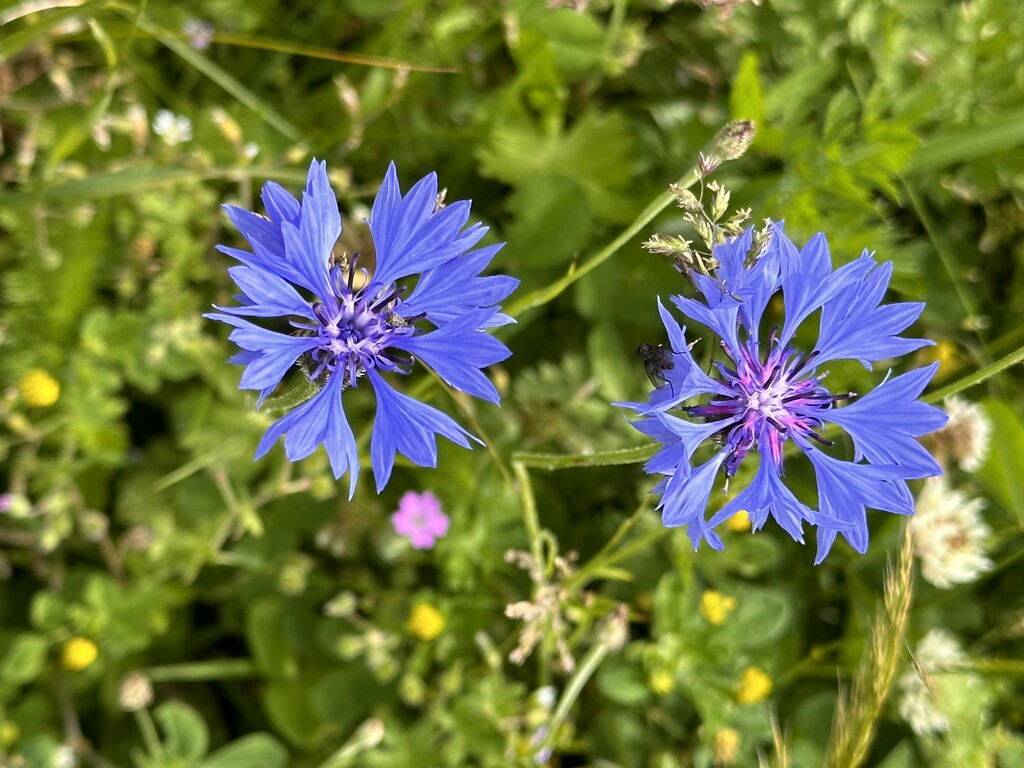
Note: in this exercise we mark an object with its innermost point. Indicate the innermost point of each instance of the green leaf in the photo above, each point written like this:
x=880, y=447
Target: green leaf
x=257, y=750
x=25, y=659
x=961, y=146
x=617, y=374
x=901, y=756
x=761, y=617
x=185, y=733
x=289, y=708
x=577, y=41
x=622, y=681
x=552, y=222
x=746, y=99
x=1002, y=472
x=596, y=153
x=264, y=629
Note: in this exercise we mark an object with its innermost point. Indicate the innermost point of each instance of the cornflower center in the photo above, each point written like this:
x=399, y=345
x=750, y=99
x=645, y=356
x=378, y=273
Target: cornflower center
x=772, y=399
x=356, y=330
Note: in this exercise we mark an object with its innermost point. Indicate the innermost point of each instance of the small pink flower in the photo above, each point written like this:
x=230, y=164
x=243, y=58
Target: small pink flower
x=420, y=518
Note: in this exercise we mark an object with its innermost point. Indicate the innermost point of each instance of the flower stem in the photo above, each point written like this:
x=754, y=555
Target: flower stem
x=202, y=671
x=597, y=459
x=543, y=295
x=977, y=377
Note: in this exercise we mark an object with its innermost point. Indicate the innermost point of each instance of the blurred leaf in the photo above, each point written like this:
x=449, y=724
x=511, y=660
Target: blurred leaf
x=257, y=750
x=622, y=681
x=961, y=146
x=577, y=41
x=595, y=152
x=291, y=712
x=551, y=223
x=265, y=631
x=762, y=616
x=25, y=659
x=185, y=734
x=1002, y=472
x=746, y=99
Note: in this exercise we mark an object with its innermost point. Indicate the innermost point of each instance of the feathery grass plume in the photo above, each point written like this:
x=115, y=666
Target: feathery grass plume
x=858, y=709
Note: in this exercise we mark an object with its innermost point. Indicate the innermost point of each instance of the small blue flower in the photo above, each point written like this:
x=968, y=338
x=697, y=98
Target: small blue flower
x=771, y=391
x=352, y=327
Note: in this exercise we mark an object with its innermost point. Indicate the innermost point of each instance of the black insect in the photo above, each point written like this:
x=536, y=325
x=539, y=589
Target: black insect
x=656, y=359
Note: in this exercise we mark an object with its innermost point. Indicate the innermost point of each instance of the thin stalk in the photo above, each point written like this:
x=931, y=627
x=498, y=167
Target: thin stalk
x=202, y=671
x=858, y=709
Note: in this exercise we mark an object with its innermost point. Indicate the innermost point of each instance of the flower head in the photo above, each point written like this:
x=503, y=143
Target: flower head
x=770, y=391
x=173, y=129
x=426, y=622
x=39, y=389
x=78, y=653
x=949, y=535
x=419, y=517
x=924, y=690
x=755, y=686
x=425, y=299
x=965, y=438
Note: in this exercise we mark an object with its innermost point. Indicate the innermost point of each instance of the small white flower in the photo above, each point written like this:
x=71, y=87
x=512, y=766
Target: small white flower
x=921, y=690
x=173, y=129
x=949, y=534
x=966, y=436
x=64, y=757
x=546, y=696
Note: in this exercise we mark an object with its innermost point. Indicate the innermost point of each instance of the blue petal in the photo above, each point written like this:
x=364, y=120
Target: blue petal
x=445, y=292
x=853, y=326
x=308, y=245
x=276, y=351
x=409, y=236
x=268, y=295
x=765, y=495
x=457, y=351
x=280, y=205
x=885, y=422
x=685, y=499
x=670, y=458
x=406, y=426
x=685, y=379
x=321, y=419
x=846, y=490
x=721, y=321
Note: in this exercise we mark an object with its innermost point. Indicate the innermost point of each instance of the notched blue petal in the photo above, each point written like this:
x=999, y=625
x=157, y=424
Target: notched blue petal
x=407, y=426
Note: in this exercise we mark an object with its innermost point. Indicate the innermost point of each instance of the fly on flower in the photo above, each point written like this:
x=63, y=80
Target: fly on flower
x=770, y=392
x=425, y=299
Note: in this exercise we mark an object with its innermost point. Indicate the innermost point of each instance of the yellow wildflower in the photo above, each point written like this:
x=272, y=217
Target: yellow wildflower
x=740, y=522
x=426, y=622
x=755, y=685
x=725, y=747
x=662, y=682
x=39, y=389
x=716, y=607
x=79, y=653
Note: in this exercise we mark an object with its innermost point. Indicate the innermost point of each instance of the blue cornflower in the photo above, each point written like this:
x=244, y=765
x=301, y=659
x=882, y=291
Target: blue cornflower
x=351, y=326
x=770, y=390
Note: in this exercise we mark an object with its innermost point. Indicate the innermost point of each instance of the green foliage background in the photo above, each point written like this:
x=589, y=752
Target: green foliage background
x=271, y=613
